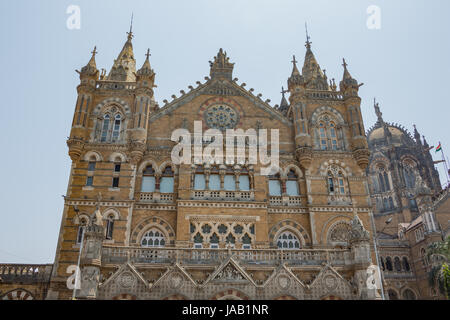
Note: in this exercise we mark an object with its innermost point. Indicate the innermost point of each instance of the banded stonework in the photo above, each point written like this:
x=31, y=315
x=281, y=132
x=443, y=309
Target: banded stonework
x=143, y=227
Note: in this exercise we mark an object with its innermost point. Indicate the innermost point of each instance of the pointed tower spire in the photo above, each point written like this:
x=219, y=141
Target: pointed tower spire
x=295, y=71
x=311, y=71
x=124, y=66
x=348, y=85
x=417, y=135
x=145, y=76
x=90, y=69
x=425, y=143
x=284, y=106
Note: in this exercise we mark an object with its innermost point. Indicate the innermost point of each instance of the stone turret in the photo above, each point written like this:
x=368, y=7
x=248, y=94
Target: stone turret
x=144, y=104
x=79, y=134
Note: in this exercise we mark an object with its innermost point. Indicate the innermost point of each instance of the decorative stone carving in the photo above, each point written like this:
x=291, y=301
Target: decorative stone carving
x=126, y=280
x=229, y=273
x=284, y=281
x=175, y=280
x=330, y=282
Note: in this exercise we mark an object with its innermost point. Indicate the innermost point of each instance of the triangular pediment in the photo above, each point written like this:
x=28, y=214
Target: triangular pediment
x=282, y=273
x=230, y=272
x=126, y=274
x=328, y=277
x=221, y=88
x=175, y=275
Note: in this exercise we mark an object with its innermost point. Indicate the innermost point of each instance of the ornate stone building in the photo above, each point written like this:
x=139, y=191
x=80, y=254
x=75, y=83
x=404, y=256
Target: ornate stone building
x=142, y=227
x=410, y=208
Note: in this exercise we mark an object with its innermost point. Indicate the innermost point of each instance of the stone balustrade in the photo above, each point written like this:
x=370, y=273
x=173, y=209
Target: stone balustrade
x=25, y=272
x=190, y=256
x=156, y=197
x=223, y=195
x=293, y=201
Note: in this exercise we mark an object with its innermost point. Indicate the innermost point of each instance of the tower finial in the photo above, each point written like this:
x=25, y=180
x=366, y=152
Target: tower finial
x=94, y=52
x=148, y=53
x=344, y=64
x=293, y=60
x=308, y=43
x=130, y=33
x=283, y=91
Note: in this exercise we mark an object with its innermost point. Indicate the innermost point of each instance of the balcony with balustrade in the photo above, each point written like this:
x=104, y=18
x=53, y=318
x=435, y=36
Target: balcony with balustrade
x=222, y=195
x=290, y=201
x=156, y=197
x=25, y=273
x=114, y=255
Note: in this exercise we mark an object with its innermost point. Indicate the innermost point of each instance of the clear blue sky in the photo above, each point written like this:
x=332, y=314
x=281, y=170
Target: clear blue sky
x=405, y=65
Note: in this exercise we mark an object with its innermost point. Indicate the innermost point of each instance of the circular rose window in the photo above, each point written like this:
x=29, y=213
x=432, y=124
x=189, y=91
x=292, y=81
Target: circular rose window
x=221, y=117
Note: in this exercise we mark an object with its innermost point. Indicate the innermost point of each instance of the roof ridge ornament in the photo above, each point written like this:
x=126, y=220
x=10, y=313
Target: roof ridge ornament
x=221, y=67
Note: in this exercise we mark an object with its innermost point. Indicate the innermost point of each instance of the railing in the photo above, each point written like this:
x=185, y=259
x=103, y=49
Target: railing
x=324, y=95
x=285, y=201
x=398, y=274
x=156, y=197
x=25, y=272
x=190, y=256
x=115, y=85
x=223, y=195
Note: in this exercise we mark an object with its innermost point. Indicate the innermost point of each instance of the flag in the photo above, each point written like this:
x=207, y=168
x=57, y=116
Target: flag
x=438, y=148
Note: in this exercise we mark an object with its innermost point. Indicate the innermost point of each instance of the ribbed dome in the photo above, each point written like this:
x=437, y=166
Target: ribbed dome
x=379, y=133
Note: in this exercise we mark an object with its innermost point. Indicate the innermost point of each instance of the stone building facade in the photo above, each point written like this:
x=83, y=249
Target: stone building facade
x=140, y=226
x=411, y=209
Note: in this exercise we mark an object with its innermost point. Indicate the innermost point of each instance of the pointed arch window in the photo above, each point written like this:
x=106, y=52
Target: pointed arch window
x=389, y=263
x=148, y=180
x=105, y=128
x=109, y=227
x=116, y=128
x=406, y=266
x=328, y=134
x=336, y=183
x=292, y=188
x=80, y=233
x=167, y=180
x=288, y=240
x=153, y=238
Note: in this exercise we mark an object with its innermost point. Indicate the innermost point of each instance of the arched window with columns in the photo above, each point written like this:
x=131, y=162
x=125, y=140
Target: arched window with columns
x=153, y=238
x=328, y=134
x=288, y=240
x=337, y=183
x=109, y=125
